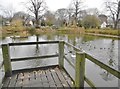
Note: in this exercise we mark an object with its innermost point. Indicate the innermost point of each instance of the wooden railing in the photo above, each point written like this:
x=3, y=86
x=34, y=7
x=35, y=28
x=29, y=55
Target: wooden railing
x=79, y=66
x=8, y=59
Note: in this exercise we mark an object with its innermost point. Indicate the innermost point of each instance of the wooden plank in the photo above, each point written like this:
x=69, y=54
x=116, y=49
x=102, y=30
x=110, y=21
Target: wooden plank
x=45, y=81
x=13, y=80
x=35, y=80
x=62, y=79
x=55, y=78
x=50, y=79
x=6, y=82
x=32, y=69
x=19, y=82
x=30, y=58
x=33, y=43
x=102, y=65
x=31, y=79
x=26, y=79
x=69, y=81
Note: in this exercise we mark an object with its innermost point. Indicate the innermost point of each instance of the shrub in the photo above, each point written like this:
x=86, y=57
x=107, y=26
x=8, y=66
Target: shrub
x=31, y=30
x=90, y=21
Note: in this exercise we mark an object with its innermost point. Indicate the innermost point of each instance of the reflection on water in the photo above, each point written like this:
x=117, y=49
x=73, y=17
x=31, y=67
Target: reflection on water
x=104, y=49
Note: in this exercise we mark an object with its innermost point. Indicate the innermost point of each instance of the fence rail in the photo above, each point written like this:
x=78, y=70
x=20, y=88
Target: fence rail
x=79, y=66
x=33, y=43
x=102, y=65
x=30, y=58
x=92, y=59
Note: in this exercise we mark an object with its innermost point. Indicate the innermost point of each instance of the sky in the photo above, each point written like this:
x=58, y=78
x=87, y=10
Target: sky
x=53, y=5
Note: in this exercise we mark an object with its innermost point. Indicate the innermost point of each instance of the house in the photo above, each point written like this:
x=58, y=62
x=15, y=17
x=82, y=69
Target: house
x=103, y=25
x=7, y=23
x=29, y=23
x=103, y=20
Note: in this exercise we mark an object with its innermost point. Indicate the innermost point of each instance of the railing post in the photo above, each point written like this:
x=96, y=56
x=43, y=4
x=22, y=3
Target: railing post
x=80, y=70
x=6, y=60
x=61, y=54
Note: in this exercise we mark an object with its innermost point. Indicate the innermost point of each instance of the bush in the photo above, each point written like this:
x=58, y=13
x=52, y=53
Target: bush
x=90, y=21
x=31, y=30
x=79, y=23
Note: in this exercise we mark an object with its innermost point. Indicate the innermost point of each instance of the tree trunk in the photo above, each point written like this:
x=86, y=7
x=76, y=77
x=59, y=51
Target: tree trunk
x=117, y=16
x=115, y=24
x=37, y=20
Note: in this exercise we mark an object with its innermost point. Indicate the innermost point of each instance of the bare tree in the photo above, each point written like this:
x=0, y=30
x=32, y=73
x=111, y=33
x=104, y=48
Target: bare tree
x=8, y=12
x=77, y=5
x=70, y=13
x=114, y=9
x=92, y=11
x=36, y=7
x=62, y=15
x=50, y=18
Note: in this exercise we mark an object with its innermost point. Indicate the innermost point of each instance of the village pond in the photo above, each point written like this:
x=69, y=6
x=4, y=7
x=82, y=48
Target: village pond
x=104, y=49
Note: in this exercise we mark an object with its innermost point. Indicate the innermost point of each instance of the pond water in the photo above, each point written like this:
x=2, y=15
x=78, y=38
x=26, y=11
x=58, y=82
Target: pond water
x=104, y=49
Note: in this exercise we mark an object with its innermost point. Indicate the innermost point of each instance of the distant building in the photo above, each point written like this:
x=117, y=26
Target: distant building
x=103, y=20
x=103, y=25
x=29, y=23
x=7, y=23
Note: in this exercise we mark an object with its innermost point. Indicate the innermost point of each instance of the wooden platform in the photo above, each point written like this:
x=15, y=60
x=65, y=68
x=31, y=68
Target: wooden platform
x=47, y=77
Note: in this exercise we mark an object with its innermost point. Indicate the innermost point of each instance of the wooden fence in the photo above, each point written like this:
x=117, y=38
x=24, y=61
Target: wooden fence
x=79, y=66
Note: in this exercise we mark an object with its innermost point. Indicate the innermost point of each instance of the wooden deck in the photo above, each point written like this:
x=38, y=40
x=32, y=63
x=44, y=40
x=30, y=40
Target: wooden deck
x=51, y=77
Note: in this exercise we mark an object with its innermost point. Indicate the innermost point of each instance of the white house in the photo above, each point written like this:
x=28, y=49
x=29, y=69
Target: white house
x=103, y=25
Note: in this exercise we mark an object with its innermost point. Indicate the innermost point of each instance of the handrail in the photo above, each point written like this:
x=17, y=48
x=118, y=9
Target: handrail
x=32, y=43
x=76, y=48
x=8, y=60
x=102, y=65
x=97, y=62
x=73, y=66
x=80, y=54
x=29, y=58
x=89, y=82
x=85, y=78
x=94, y=60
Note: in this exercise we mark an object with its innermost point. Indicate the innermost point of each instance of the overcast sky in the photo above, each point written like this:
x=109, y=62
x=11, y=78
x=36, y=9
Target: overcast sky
x=53, y=5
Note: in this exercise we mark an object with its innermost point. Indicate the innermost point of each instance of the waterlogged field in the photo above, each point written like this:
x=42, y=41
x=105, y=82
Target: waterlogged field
x=104, y=49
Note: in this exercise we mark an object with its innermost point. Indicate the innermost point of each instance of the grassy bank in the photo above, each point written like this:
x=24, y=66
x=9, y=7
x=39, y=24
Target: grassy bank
x=105, y=32
x=26, y=31
x=94, y=31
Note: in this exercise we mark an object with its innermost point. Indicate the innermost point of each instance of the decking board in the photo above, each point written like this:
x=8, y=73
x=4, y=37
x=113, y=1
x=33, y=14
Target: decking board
x=56, y=79
x=13, y=81
x=51, y=77
x=61, y=78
